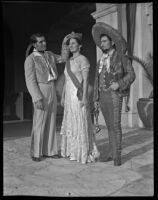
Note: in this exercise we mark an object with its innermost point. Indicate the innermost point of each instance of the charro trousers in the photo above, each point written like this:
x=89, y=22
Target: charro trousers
x=43, y=137
x=111, y=106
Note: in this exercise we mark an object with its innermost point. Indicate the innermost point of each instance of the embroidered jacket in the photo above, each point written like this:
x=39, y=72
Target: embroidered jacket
x=124, y=74
x=38, y=71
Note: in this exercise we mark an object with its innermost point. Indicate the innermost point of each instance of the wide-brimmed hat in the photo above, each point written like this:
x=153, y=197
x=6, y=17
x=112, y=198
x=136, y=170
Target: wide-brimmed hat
x=102, y=28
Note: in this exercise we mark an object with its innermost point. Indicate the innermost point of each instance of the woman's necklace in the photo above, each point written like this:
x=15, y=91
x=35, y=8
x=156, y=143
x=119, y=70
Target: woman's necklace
x=75, y=57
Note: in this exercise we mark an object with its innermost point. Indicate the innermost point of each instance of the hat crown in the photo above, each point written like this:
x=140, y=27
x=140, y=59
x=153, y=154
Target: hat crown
x=103, y=28
x=76, y=35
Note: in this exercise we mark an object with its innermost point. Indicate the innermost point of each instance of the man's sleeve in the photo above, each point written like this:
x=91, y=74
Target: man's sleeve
x=55, y=61
x=129, y=77
x=31, y=80
x=58, y=58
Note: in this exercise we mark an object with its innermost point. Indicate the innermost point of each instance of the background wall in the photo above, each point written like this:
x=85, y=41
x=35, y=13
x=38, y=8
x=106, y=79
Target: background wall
x=54, y=20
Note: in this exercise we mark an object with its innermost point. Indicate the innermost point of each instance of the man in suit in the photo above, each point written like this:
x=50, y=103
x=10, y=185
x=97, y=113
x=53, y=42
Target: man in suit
x=114, y=75
x=40, y=73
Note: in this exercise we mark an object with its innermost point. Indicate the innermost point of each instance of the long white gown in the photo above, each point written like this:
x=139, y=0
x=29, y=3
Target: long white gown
x=78, y=139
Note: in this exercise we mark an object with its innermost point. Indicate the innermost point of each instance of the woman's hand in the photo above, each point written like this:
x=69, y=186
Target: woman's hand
x=65, y=51
x=66, y=38
x=84, y=102
x=39, y=104
x=62, y=101
x=114, y=86
x=96, y=105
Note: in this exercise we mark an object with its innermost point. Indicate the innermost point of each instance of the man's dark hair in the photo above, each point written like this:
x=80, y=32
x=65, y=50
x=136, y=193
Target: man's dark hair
x=102, y=35
x=33, y=38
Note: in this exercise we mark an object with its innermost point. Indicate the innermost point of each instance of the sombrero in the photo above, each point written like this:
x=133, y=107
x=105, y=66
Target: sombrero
x=102, y=28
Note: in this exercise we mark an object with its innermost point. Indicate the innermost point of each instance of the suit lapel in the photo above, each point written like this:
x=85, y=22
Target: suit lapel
x=40, y=61
x=52, y=63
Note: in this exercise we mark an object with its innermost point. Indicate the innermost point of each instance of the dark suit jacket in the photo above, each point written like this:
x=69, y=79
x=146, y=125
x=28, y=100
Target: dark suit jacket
x=125, y=75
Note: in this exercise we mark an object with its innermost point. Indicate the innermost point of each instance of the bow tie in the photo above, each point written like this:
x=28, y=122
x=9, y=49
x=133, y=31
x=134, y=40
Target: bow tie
x=41, y=51
x=105, y=55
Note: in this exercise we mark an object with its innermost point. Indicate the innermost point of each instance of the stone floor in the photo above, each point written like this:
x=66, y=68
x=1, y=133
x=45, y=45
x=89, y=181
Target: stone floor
x=61, y=177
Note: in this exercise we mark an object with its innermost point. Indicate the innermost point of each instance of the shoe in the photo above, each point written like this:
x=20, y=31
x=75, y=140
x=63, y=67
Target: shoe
x=72, y=159
x=36, y=159
x=117, y=161
x=54, y=156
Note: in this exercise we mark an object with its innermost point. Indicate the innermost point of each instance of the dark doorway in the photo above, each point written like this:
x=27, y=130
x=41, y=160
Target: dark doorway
x=55, y=20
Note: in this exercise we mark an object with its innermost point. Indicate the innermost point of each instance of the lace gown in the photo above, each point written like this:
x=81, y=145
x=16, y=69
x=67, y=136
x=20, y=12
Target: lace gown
x=78, y=141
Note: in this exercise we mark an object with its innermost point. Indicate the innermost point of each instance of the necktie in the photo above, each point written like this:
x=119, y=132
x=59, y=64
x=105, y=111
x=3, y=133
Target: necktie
x=51, y=72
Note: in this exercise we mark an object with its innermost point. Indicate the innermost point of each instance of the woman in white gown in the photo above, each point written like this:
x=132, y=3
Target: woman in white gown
x=78, y=140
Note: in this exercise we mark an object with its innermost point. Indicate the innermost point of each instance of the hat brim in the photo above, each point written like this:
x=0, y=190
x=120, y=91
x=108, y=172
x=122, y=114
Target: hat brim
x=102, y=28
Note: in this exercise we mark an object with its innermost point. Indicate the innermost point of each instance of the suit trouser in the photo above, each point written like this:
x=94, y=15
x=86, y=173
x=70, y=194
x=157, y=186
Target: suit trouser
x=111, y=106
x=43, y=137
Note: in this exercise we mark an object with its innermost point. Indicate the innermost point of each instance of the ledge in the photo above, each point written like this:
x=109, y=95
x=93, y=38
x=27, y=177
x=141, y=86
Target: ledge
x=105, y=10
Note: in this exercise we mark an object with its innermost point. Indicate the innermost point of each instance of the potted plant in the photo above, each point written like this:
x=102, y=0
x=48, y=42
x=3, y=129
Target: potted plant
x=145, y=105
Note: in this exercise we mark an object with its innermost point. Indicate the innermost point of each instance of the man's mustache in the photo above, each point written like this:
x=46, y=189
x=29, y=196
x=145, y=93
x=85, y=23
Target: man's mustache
x=105, y=50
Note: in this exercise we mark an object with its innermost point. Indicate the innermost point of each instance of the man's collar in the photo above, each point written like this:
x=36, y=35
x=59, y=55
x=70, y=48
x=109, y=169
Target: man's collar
x=37, y=53
x=111, y=52
x=105, y=55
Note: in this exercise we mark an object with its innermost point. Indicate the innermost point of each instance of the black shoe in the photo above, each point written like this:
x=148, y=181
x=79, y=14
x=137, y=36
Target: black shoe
x=108, y=159
x=36, y=159
x=117, y=161
x=54, y=156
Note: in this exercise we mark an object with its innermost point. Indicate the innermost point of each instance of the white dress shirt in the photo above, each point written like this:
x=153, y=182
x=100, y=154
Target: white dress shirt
x=105, y=60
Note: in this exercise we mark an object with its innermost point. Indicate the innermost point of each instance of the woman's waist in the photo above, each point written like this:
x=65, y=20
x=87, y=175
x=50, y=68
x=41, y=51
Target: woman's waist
x=48, y=84
x=70, y=81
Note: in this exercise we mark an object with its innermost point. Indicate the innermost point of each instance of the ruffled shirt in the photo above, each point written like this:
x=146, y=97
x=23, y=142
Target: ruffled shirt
x=52, y=75
x=105, y=60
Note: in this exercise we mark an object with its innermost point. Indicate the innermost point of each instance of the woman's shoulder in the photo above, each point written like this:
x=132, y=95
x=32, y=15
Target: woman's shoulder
x=84, y=59
x=84, y=63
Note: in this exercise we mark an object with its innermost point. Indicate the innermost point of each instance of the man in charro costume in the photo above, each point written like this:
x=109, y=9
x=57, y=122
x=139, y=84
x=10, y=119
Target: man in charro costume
x=114, y=75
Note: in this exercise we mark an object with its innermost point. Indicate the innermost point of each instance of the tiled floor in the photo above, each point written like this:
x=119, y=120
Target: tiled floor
x=61, y=177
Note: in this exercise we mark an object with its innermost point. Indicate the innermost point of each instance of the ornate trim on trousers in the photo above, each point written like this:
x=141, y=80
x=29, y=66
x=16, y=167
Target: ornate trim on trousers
x=111, y=106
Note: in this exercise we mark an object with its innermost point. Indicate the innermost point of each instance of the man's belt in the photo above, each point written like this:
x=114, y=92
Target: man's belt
x=104, y=88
